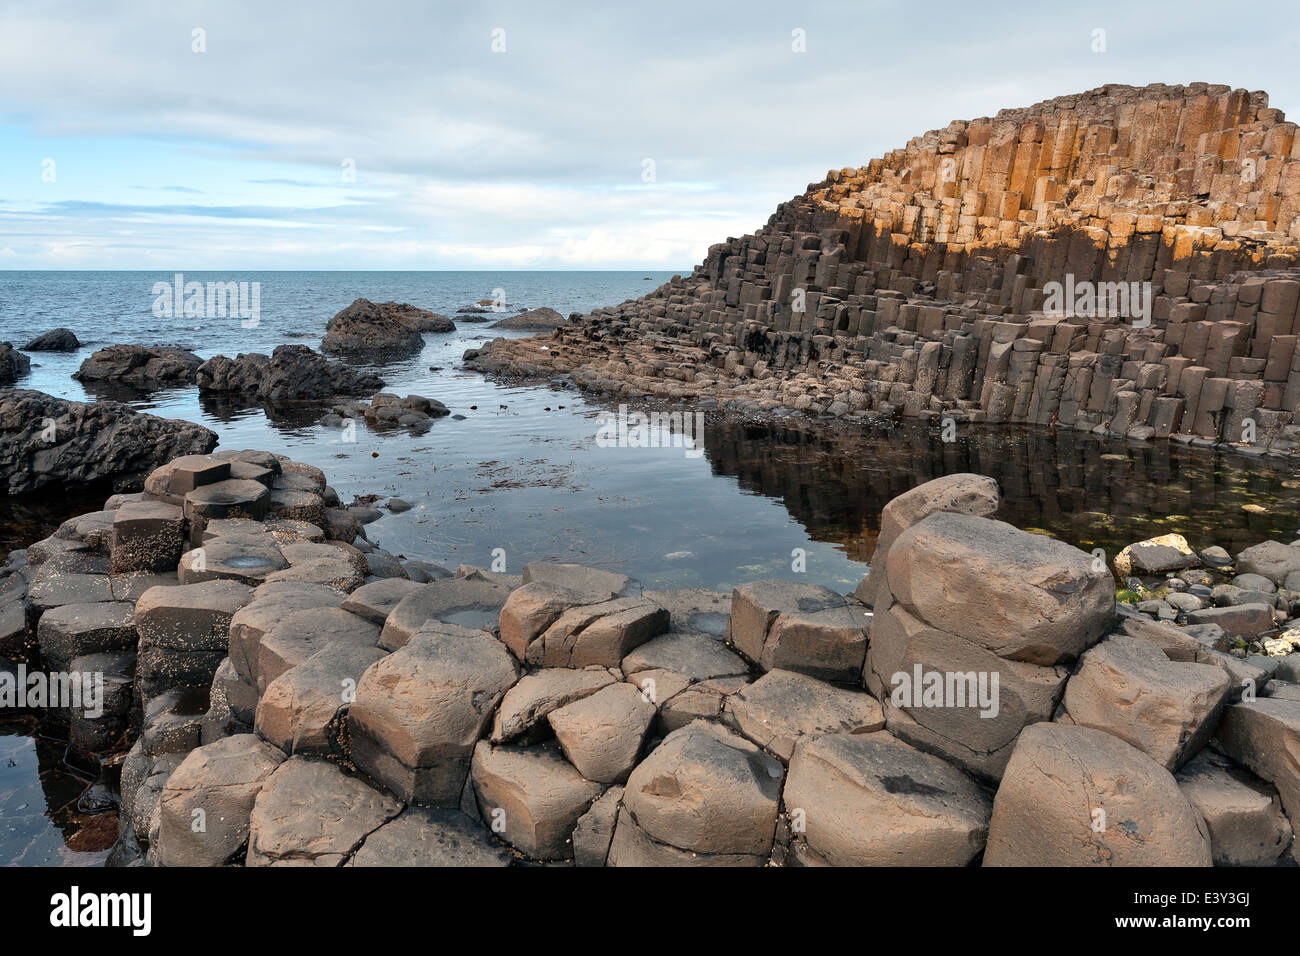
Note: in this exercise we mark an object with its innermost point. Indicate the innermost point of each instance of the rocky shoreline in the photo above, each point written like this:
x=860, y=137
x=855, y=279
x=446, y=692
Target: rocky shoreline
x=315, y=700
x=1121, y=262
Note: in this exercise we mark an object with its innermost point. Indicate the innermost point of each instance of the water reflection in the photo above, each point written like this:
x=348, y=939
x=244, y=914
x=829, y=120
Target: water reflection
x=1087, y=491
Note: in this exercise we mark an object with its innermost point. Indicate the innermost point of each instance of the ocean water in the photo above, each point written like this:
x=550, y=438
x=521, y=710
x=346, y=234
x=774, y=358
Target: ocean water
x=521, y=474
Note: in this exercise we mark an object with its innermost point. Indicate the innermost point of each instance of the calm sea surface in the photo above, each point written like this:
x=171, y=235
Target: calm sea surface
x=522, y=470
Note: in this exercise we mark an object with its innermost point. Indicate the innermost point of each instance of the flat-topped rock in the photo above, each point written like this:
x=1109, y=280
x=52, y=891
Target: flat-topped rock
x=72, y=630
x=524, y=706
x=190, y=617
x=781, y=707
x=871, y=800
x=300, y=634
x=602, y=734
x=300, y=711
x=420, y=710
x=310, y=813
x=425, y=837
x=602, y=633
x=464, y=601
x=800, y=627
x=249, y=559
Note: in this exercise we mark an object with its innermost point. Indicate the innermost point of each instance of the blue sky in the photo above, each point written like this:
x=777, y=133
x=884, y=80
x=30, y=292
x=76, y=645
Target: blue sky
x=531, y=157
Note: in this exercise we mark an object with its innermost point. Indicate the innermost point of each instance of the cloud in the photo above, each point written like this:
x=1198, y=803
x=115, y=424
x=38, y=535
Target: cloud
x=532, y=155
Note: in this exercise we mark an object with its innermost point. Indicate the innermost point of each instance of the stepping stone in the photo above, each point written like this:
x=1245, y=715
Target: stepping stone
x=221, y=781
x=602, y=633
x=271, y=604
x=470, y=602
x=310, y=813
x=190, y=617
x=525, y=706
x=800, y=627
x=300, y=710
x=338, y=573
x=1272, y=559
x=782, y=707
x=419, y=711
x=1243, y=813
x=376, y=600
x=706, y=790
x=1129, y=688
x=148, y=536
x=73, y=630
x=250, y=559
x=602, y=734
x=301, y=634
x=534, y=795
x=872, y=800
x=1075, y=796
x=232, y=498
x=695, y=656
x=423, y=837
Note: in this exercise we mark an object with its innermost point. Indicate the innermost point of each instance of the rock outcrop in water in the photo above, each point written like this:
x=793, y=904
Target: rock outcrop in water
x=1122, y=261
x=13, y=364
x=49, y=441
x=365, y=327
x=290, y=373
x=139, y=366
x=315, y=703
x=56, y=340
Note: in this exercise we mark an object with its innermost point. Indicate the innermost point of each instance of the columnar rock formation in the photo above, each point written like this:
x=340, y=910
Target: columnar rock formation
x=292, y=695
x=1123, y=260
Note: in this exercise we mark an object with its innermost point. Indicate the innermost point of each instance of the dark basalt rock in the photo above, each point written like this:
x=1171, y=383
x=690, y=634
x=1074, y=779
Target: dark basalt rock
x=46, y=440
x=56, y=340
x=13, y=364
x=292, y=372
x=364, y=327
x=139, y=366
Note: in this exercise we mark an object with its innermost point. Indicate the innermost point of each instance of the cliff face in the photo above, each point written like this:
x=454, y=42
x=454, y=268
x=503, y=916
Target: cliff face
x=1124, y=261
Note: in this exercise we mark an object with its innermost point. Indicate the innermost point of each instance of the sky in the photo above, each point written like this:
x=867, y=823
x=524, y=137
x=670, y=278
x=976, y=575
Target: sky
x=526, y=135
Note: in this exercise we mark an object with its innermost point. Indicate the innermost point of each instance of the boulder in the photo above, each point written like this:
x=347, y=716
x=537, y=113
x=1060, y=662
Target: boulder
x=72, y=630
x=1243, y=814
x=190, y=617
x=800, y=627
x=706, y=790
x=535, y=320
x=140, y=367
x=871, y=800
x=1040, y=600
x=366, y=327
x=291, y=373
x=601, y=633
x=1271, y=559
x=524, y=706
x=1129, y=688
x=961, y=493
x=300, y=634
x=376, y=600
x=46, y=440
x=602, y=733
x=13, y=364
x=1160, y=555
x=1246, y=621
x=301, y=710
x=271, y=603
x=56, y=340
x=782, y=707
x=1264, y=735
x=531, y=797
x=311, y=813
x=208, y=799
x=1075, y=796
x=419, y=711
